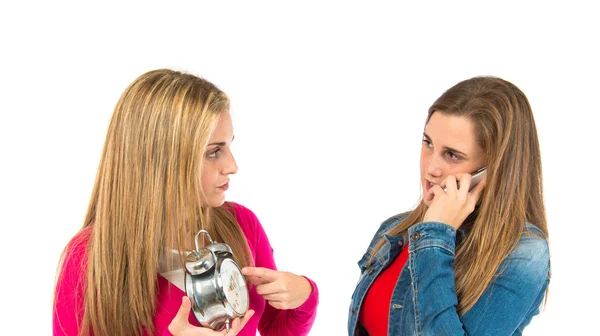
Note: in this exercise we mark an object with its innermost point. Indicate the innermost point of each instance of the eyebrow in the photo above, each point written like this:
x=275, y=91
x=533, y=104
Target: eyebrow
x=221, y=143
x=446, y=148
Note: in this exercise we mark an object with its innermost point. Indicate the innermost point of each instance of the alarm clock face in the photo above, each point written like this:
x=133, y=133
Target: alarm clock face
x=234, y=286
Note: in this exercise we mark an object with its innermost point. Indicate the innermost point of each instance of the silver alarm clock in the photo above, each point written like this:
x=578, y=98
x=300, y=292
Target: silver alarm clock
x=215, y=285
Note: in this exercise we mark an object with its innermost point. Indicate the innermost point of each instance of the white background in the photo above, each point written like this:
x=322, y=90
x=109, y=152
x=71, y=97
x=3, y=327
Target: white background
x=328, y=101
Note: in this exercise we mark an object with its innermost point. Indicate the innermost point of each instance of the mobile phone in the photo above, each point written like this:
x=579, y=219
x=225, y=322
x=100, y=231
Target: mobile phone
x=476, y=177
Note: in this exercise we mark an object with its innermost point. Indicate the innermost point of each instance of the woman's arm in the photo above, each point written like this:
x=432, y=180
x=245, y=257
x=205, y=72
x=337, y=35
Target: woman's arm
x=505, y=308
x=275, y=321
x=68, y=307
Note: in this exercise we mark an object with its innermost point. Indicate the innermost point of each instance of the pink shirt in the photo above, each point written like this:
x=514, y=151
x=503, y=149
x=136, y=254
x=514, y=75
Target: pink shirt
x=68, y=307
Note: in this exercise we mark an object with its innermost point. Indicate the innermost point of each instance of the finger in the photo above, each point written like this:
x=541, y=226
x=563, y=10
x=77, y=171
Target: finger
x=257, y=280
x=271, y=288
x=180, y=320
x=246, y=318
x=433, y=192
x=464, y=185
x=475, y=193
x=238, y=324
x=449, y=185
x=277, y=297
x=262, y=272
x=234, y=328
x=184, y=310
x=464, y=182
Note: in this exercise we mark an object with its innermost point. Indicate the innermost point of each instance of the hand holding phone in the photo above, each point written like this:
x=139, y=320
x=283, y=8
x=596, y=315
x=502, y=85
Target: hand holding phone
x=476, y=177
x=453, y=210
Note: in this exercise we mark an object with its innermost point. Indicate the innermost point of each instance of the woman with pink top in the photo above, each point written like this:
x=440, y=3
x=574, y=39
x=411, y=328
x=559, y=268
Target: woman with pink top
x=162, y=177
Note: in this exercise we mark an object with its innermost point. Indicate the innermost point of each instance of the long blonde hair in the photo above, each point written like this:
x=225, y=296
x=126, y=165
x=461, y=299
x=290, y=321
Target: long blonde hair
x=505, y=130
x=147, y=197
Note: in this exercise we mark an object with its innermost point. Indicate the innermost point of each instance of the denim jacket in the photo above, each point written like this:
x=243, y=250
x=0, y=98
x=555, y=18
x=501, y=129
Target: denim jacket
x=424, y=299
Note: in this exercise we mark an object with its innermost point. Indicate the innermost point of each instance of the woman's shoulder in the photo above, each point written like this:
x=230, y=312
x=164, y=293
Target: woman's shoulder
x=531, y=256
x=78, y=244
x=73, y=261
x=247, y=221
x=242, y=214
x=237, y=207
x=387, y=225
x=391, y=223
x=533, y=242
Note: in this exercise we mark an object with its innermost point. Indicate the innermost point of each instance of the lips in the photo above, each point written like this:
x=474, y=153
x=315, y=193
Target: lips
x=224, y=186
x=429, y=185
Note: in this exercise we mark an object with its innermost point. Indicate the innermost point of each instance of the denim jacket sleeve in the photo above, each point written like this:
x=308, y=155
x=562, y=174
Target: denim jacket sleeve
x=505, y=308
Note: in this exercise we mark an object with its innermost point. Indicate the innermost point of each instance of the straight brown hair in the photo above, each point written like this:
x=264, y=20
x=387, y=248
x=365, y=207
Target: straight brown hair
x=147, y=198
x=513, y=194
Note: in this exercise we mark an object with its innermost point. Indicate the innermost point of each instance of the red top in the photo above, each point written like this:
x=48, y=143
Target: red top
x=375, y=309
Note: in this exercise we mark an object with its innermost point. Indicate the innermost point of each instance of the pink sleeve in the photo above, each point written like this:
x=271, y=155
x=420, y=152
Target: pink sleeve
x=295, y=322
x=68, y=297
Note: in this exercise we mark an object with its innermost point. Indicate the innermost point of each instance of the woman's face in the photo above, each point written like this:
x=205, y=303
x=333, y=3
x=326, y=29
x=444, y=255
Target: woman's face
x=449, y=148
x=218, y=163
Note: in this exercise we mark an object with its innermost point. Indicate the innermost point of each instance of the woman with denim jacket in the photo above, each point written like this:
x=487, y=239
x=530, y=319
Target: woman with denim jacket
x=465, y=261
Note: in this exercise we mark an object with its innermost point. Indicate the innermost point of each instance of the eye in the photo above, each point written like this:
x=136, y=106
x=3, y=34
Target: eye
x=213, y=154
x=427, y=143
x=453, y=156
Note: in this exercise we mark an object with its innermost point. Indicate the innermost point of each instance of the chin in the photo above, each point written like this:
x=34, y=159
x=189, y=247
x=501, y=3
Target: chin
x=214, y=202
x=217, y=202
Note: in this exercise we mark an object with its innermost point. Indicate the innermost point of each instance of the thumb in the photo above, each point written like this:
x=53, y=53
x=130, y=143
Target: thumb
x=184, y=310
x=180, y=320
x=234, y=328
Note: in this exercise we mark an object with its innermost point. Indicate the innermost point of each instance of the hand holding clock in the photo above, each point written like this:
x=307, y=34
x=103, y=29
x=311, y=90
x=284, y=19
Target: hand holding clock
x=180, y=325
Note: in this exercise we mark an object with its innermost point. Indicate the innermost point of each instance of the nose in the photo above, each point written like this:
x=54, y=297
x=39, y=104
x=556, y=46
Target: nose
x=434, y=167
x=230, y=165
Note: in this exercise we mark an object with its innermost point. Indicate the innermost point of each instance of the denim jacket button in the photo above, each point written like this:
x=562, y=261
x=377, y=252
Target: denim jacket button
x=415, y=236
